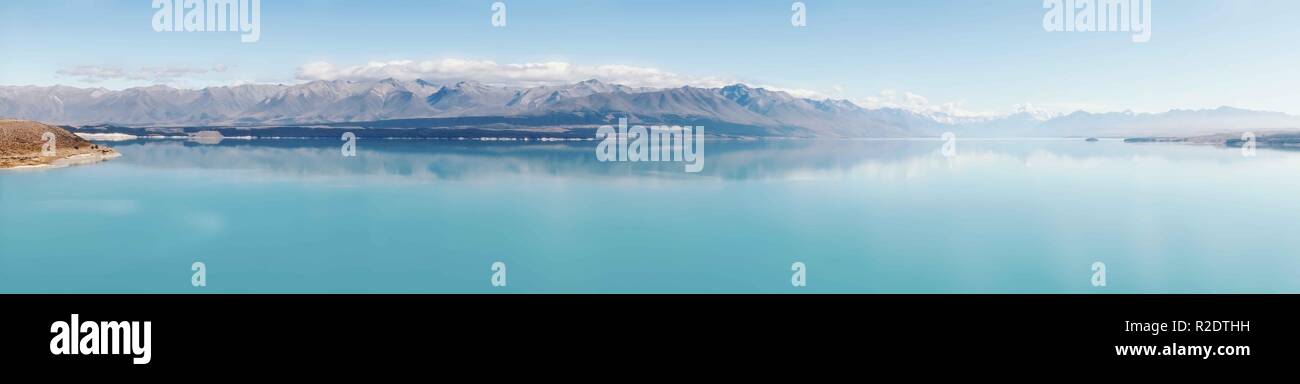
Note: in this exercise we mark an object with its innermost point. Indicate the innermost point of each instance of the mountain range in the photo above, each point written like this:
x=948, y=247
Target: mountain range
x=738, y=110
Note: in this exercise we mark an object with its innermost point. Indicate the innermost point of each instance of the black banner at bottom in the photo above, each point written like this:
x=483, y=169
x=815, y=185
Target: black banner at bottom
x=164, y=332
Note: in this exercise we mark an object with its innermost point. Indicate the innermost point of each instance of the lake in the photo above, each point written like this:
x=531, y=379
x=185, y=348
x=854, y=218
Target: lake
x=864, y=216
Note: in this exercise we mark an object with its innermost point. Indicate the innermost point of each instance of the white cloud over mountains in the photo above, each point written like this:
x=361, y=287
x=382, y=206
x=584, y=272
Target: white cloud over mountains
x=913, y=102
x=158, y=75
x=523, y=74
x=508, y=74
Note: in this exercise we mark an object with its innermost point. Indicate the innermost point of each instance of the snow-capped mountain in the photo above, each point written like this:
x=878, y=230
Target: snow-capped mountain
x=468, y=98
x=339, y=100
x=1178, y=122
x=731, y=110
x=737, y=109
x=536, y=97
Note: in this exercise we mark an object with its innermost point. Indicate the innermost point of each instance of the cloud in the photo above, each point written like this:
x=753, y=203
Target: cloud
x=796, y=92
x=1038, y=111
x=516, y=74
x=91, y=73
x=486, y=71
x=920, y=104
x=95, y=74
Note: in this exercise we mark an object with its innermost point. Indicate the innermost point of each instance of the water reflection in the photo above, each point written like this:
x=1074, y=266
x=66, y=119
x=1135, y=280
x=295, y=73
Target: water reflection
x=1027, y=216
x=431, y=160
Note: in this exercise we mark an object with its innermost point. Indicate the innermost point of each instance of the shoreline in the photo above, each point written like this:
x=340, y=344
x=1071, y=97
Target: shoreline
x=67, y=161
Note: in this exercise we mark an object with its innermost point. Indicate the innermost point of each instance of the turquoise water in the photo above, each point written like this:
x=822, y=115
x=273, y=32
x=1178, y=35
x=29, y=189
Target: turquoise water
x=1010, y=216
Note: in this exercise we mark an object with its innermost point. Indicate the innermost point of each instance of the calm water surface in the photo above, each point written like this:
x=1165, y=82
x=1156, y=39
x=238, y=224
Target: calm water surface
x=1010, y=216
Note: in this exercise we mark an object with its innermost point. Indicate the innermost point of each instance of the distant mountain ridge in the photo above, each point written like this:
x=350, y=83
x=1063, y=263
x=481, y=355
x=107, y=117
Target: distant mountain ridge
x=731, y=110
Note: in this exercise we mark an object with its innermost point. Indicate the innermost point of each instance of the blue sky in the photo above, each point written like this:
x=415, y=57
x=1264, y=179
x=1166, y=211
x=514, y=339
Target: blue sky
x=970, y=56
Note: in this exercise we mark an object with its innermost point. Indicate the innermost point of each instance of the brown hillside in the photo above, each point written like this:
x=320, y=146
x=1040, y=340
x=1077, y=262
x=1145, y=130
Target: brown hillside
x=20, y=145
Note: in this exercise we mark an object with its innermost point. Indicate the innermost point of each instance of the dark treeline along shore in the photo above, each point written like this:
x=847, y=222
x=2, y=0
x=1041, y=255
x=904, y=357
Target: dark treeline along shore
x=336, y=132
x=494, y=127
x=1276, y=140
x=562, y=127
